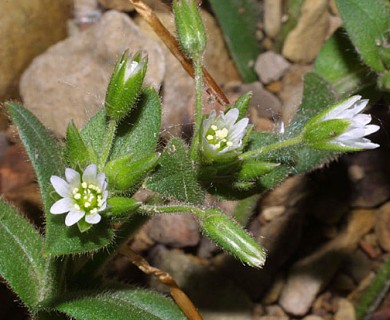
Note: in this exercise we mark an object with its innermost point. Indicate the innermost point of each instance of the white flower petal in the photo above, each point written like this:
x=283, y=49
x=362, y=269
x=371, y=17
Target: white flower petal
x=61, y=206
x=370, y=129
x=90, y=174
x=73, y=217
x=60, y=186
x=93, y=218
x=73, y=177
x=231, y=117
x=340, y=108
x=101, y=178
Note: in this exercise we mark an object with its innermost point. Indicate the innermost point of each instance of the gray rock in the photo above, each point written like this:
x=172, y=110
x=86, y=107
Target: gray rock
x=174, y=230
x=69, y=80
x=270, y=66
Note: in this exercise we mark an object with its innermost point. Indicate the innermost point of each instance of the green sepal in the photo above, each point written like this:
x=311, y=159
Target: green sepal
x=384, y=81
x=189, y=27
x=124, y=174
x=316, y=133
x=125, y=85
x=121, y=207
x=242, y=104
x=230, y=236
x=83, y=225
x=253, y=169
x=79, y=155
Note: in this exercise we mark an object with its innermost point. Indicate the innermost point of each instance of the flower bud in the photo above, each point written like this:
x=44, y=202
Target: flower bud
x=121, y=207
x=252, y=169
x=123, y=174
x=125, y=84
x=232, y=237
x=342, y=127
x=190, y=28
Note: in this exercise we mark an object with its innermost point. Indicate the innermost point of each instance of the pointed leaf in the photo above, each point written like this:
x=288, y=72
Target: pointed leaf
x=175, y=176
x=45, y=155
x=124, y=304
x=22, y=263
x=367, y=23
x=138, y=134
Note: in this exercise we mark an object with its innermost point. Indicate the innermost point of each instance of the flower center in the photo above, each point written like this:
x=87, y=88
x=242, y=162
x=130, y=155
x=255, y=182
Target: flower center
x=218, y=137
x=87, y=198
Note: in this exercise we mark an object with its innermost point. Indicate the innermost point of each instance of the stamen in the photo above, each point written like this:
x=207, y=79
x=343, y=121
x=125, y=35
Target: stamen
x=87, y=205
x=77, y=196
x=210, y=137
x=84, y=185
x=214, y=127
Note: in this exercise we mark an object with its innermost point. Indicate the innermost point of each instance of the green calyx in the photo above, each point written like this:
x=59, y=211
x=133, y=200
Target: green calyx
x=190, y=28
x=316, y=134
x=125, y=85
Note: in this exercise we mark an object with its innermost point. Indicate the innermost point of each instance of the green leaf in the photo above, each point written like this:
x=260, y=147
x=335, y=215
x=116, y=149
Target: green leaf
x=175, y=176
x=124, y=304
x=138, y=134
x=347, y=75
x=77, y=151
x=366, y=23
x=46, y=158
x=238, y=20
x=22, y=263
x=94, y=131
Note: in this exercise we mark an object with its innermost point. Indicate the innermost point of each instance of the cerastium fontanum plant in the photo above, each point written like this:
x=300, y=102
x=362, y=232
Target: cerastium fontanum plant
x=87, y=182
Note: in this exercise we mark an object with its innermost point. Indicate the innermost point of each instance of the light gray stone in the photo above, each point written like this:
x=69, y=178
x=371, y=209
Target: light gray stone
x=271, y=66
x=69, y=80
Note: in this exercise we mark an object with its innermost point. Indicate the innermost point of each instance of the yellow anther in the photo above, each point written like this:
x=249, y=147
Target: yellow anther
x=220, y=134
x=214, y=127
x=84, y=185
x=77, y=196
x=210, y=137
x=229, y=143
x=87, y=205
x=75, y=190
x=76, y=206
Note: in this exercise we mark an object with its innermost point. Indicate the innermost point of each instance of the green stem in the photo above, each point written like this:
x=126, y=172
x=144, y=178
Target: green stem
x=198, y=104
x=109, y=138
x=271, y=147
x=154, y=209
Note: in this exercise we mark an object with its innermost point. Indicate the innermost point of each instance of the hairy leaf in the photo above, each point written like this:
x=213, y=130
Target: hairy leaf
x=124, y=304
x=175, y=176
x=22, y=263
x=138, y=134
x=366, y=23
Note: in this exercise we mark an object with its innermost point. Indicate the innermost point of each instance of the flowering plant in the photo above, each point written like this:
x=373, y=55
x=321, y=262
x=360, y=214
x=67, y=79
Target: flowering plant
x=93, y=176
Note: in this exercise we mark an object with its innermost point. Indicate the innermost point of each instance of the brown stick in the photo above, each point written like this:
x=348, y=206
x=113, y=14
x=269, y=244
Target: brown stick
x=182, y=300
x=170, y=41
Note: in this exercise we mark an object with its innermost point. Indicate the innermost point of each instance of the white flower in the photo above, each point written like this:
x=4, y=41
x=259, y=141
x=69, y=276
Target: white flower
x=221, y=134
x=82, y=198
x=354, y=135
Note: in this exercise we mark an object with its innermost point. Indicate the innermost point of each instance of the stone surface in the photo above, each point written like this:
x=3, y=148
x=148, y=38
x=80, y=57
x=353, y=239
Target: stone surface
x=178, y=86
x=216, y=297
x=309, y=275
x=27, y=28
x=291, y=95
x=382, y=226
x=69, y=80
x=346, y=310
x=273, y=10
x=120, y=5
x=270, y=66
x=305, y=41
x=174, y=230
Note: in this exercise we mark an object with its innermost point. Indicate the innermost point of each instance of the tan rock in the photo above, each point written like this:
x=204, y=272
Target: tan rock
x=382, y=226
x=27, y=28
x=305, y=41
x=346, y=310
x=70, y=79
x=120, y=5
x=273, y=11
